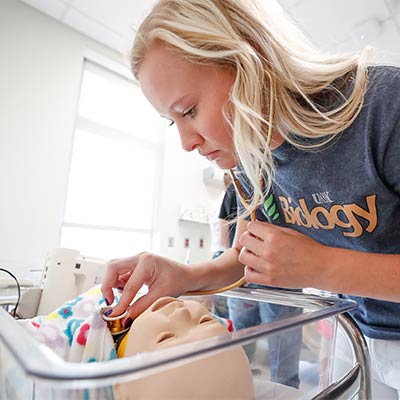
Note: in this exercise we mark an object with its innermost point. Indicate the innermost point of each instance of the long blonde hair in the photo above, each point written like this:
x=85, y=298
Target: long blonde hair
x=280, y=77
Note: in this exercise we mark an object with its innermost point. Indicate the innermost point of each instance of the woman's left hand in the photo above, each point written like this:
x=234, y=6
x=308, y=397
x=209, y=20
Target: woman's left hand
x=281, y=257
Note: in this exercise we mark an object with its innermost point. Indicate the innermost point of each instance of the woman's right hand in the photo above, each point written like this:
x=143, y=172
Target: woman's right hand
x=162, y=276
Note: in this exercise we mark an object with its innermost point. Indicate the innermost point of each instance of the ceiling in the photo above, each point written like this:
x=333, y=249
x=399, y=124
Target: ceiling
x=108, y=22
x=338, y=24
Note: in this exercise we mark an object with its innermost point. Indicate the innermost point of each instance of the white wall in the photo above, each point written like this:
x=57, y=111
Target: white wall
x=40, y=74
x=41, y=64
x=183, y=187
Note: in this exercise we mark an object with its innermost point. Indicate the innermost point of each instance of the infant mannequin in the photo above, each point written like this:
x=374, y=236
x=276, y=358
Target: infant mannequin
x=169, y=322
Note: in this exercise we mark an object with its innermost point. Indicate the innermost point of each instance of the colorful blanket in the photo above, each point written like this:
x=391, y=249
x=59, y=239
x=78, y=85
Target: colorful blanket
x=76, y=331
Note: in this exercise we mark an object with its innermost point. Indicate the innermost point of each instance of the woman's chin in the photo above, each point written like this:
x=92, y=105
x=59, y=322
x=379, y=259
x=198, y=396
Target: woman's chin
x=225, y=163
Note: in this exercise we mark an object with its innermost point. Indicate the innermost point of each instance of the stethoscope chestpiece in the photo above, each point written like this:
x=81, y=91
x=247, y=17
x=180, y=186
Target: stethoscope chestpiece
x=114, y=323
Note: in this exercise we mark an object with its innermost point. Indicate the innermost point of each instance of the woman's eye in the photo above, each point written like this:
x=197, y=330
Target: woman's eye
x=190, y=113
x=164, y=336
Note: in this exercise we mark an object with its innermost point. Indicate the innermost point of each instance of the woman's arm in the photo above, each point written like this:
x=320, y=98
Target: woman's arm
x=224, y=233
x=362, y=274
x=221, y=271
x=165, y=277
x=286, y=258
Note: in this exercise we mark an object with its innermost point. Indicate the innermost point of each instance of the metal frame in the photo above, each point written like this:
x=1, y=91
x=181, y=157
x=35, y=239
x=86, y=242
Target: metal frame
x=357, y=380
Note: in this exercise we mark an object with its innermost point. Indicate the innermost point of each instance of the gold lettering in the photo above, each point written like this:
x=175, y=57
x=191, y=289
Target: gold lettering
x=286, y=212
x=308, y=219
x=335, y=212
x=320, y=217
x=370, y=215
x=330, y=224
x=353, y=222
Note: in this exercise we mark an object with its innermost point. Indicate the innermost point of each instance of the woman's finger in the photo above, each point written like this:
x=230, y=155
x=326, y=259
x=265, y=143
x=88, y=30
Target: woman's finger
x=253, y=276
x=135, y=282
x=143, y=303
x=122, y=280
x=114, y=271
x=249, y=258
x=252, y=243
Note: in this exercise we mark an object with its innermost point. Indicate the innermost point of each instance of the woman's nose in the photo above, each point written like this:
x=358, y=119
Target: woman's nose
x=190, y=139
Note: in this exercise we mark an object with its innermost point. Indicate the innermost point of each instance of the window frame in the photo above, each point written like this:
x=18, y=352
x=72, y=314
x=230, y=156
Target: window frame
x=120, y=71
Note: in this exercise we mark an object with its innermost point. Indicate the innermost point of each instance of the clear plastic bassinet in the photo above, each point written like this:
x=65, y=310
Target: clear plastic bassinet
x=29, y=370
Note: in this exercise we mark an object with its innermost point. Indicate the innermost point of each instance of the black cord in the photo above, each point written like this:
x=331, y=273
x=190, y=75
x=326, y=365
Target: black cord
x=18, y=289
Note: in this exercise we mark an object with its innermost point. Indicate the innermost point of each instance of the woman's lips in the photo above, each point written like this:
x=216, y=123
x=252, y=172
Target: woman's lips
x=212, y=156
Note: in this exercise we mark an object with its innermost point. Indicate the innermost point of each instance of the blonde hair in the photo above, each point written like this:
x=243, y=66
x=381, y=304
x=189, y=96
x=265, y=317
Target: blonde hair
x=282, y=82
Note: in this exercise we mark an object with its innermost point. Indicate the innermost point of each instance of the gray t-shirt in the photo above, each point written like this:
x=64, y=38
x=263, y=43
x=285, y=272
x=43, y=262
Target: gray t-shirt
x=347, y=194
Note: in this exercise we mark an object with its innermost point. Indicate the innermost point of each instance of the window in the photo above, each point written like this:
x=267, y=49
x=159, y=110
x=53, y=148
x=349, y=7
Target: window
x=116, y=156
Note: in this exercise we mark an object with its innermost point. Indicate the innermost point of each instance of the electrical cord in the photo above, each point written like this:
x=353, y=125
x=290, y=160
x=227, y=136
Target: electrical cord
x=18, y=288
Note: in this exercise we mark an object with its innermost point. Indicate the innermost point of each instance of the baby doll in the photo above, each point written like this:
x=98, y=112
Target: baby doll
x=169, y=322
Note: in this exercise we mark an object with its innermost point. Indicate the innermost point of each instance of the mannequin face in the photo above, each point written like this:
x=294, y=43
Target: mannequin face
x=169, y=322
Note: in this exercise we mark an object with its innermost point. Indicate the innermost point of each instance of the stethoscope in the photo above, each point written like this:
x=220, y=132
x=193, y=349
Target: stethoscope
x=241, y=281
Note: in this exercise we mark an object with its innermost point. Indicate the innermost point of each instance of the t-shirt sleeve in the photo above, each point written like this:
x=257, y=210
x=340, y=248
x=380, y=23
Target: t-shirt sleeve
x=223, y=212
x=228, y=209
x=391, y=159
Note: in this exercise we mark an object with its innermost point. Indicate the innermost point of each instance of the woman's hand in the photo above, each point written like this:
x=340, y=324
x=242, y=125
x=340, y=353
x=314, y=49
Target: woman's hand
x=280, y=257
x=163, y=277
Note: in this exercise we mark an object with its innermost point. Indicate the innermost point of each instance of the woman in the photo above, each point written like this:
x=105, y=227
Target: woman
x=314, y=140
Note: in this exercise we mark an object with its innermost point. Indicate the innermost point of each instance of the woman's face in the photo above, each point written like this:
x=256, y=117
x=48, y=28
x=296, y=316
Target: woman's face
x=193, y=97
x=170, y=322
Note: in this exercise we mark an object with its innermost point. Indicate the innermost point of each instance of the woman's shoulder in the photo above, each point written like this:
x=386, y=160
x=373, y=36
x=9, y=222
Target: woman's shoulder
x=384, y=69
x=378, y=121
x=383, y=79
x=380, y=101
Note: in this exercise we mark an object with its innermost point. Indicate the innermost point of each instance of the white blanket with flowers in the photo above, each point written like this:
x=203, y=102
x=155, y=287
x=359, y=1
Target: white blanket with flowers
x=77, y=333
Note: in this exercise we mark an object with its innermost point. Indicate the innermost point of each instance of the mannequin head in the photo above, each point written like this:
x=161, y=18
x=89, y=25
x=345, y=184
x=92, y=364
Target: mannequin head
x=169, y=322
